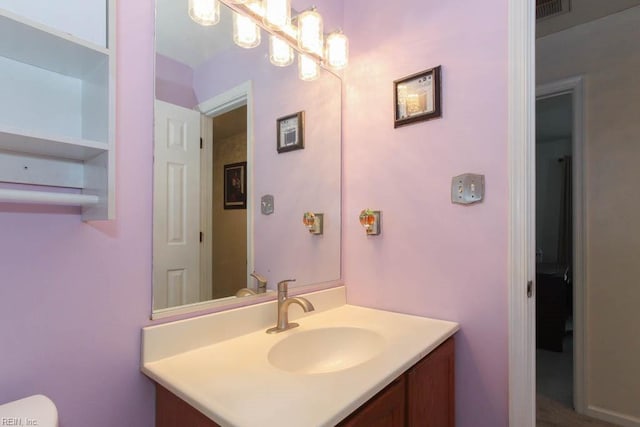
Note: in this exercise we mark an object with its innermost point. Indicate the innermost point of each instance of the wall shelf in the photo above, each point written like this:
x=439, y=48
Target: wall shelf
x=29, y=42
x=57, y=118
x=33, y=142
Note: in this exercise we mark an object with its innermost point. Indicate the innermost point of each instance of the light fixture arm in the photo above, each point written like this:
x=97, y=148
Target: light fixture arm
x=285, y=35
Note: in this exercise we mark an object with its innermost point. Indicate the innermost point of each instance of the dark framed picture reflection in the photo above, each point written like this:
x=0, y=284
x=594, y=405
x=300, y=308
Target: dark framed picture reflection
x=291, y=132
x=235, y=186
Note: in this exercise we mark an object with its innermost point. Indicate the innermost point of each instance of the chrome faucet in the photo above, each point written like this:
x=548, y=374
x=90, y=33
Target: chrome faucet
x=283, y=307
x=262, y=282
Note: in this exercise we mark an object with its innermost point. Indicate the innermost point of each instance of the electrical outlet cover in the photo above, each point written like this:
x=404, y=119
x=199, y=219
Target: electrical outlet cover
x=266, y=204
x=467, y=189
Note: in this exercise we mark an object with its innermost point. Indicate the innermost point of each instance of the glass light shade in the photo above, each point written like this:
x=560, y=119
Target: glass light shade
x=204, y=12
x=255, y=6
x=337, y=54
x=245, y=32
x=308, y=69
x=277, y=13
x=280, y=53
x=310, y=36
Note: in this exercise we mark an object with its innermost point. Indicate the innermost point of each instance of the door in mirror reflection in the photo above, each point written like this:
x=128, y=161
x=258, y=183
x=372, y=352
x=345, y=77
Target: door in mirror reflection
x=200, y=191
x=176, y=243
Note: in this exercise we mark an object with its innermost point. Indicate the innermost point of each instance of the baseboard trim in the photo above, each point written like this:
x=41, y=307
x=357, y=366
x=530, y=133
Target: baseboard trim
x=612, y=417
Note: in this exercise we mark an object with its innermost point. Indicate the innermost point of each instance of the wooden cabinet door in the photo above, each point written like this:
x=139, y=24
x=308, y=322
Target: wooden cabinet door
x=430, y=389
x=386, y=409
x=171, y=411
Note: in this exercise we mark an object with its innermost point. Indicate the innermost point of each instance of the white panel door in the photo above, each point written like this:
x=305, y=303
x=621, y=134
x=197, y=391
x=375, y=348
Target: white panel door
x=176, y=206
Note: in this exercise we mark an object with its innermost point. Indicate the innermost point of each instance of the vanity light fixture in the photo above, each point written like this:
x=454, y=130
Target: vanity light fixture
x=314, y=222
x=308, y=69
x=310, y=37
x=277, y=13
x=280, y=52
x=204, y=12
x=246, y=33
x=274, y=16
x=370, y=220
x=337, y=50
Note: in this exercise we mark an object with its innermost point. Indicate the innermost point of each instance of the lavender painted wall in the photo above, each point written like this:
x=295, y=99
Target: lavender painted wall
x=174, y=82
x=433, y=258
x=74, y=295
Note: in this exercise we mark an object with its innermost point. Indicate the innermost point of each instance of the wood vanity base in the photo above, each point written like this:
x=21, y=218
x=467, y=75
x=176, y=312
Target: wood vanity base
x=423, y=396
x=171, y=411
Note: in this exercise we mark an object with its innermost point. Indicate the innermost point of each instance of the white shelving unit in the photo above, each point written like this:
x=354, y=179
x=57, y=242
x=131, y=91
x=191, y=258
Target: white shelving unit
x=57, y=114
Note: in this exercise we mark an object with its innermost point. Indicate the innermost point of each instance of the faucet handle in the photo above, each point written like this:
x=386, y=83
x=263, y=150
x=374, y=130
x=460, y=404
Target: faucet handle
x=258, y=277
x=262, y=281
x=283, y=285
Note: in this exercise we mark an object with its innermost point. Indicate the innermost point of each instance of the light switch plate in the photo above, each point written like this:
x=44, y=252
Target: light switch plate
x=266, y=204
x=467, y=188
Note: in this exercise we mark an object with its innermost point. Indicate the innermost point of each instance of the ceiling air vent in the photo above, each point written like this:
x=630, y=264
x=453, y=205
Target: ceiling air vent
x=549, y=8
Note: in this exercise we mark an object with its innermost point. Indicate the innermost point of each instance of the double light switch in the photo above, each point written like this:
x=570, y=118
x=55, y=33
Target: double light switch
x=467, y=188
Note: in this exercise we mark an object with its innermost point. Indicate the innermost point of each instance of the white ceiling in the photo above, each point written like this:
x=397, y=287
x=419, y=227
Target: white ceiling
x=582, y=11
x=178, y=37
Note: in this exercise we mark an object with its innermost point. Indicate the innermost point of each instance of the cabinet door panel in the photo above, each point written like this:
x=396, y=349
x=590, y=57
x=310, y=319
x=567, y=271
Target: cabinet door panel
x=171, y=411
x=430, y=389
x=386, y=409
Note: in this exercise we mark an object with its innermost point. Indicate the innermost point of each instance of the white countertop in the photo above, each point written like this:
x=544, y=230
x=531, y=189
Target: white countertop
x=233, y=383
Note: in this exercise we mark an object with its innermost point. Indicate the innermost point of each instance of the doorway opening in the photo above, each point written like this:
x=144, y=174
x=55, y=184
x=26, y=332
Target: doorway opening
x=559, y=239
x=554, y=248
x=227, y=166
x=224, y=219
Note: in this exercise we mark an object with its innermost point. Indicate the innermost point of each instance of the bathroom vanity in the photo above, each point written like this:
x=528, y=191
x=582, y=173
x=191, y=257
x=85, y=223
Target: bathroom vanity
x=344, y=365
x=423, y=396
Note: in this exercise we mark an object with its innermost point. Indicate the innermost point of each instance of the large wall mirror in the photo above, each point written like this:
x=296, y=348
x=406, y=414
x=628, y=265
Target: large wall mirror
x=216, y=163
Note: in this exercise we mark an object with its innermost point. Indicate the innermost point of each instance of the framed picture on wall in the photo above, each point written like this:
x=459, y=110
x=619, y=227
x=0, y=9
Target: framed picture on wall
x=291, y=132
x=417, y=97
x=235, y=186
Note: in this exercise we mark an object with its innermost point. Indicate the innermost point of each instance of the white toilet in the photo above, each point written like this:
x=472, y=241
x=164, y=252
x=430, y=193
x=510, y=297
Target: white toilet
x=37, y=410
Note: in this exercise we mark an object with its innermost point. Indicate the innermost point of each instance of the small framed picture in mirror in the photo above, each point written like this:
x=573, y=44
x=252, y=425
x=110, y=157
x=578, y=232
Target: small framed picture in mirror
x=417, y=97
x=235, y=186
x=291, y=132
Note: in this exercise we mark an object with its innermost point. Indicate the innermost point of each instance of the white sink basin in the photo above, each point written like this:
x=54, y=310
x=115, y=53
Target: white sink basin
x=325, y=350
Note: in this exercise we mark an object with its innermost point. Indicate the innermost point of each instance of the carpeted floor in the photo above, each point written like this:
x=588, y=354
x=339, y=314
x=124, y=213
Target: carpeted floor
x=550, y=413
x=554, y=373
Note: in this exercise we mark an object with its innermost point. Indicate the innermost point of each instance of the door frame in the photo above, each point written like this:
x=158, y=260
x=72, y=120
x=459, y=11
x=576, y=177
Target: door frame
x=206, y=206
x=230, y=100
x=575, y=87
x=521, y=216
x=521, y=255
